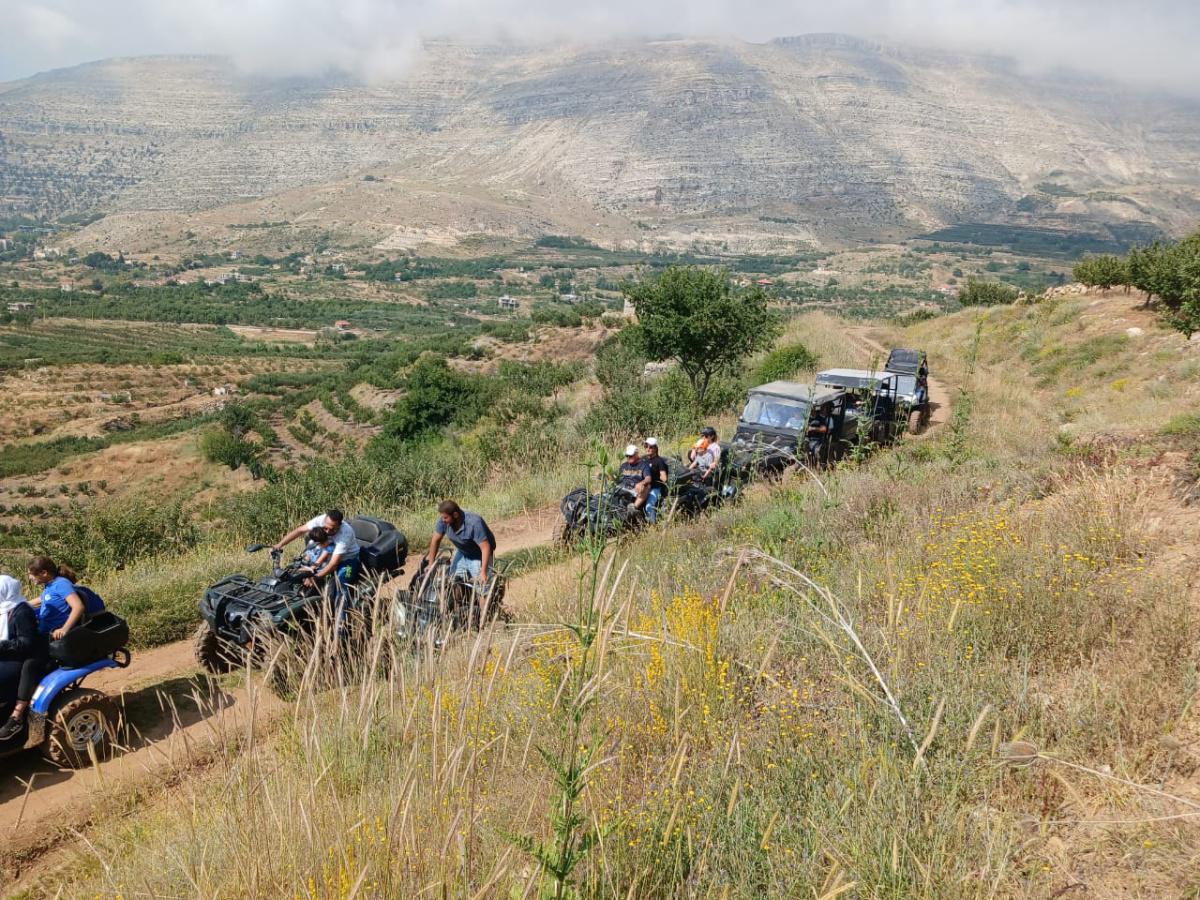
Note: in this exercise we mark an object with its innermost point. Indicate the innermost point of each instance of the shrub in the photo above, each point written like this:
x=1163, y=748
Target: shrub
x=986, y=293
x=105, y=536
x=784, y=362
x=1101, y=271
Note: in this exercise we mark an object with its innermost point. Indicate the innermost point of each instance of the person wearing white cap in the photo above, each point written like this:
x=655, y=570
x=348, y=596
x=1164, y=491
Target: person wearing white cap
x=658, y=479
x=634, y=476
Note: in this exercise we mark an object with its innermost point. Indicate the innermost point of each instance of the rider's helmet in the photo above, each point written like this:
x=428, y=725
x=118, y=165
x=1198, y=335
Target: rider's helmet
x=709, y=432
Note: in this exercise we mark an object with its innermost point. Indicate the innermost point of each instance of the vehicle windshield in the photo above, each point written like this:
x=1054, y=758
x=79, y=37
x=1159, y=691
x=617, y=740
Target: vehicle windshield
x=775, y=412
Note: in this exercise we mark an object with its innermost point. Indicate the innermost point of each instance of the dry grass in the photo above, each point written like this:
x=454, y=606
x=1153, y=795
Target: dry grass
x=834, y=714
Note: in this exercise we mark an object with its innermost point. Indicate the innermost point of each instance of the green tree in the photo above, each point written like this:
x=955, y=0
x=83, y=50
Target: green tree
x=1101, y=271
x=986, y=293
x=696, y=317
x=437, y=395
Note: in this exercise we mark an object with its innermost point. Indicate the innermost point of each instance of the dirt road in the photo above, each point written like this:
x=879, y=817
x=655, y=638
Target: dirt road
x=939, y=395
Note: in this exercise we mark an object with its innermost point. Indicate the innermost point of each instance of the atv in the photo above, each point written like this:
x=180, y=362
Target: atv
x=72, y=725
x=689, y=495
x=438, y=602
x=245, y=620
x=605, y=513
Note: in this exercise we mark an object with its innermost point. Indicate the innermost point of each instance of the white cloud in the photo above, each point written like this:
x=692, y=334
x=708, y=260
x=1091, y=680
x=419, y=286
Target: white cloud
x=1151, y=43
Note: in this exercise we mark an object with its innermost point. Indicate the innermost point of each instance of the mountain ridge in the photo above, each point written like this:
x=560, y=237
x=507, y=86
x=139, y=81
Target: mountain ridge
x=846, y=137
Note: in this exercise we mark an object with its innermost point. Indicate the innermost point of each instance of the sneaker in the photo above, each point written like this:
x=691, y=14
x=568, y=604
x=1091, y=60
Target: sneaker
x=11, y=728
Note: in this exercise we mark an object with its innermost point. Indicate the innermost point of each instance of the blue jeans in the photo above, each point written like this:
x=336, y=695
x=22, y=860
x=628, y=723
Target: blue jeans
x=347, y=573
x=472, y=568
x=652, y=501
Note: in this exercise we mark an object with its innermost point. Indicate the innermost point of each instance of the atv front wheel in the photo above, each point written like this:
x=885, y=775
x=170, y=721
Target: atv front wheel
x=82, y=724
x=214, y=655
x=564, y=535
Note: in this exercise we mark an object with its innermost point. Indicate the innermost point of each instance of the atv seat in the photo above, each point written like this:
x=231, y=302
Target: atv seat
x=382, y=547
x=92, y=640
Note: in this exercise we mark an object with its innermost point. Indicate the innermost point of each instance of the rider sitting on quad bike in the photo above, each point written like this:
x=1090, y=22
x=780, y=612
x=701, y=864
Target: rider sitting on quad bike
x=635, y=477
x=660, y=479
x=705, y=455
x=343, y=562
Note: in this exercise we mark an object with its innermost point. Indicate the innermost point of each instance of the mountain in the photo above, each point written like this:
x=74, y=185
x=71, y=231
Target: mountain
x=821, y=137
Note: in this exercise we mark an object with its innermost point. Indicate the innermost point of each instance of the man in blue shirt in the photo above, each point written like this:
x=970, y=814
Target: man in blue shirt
x=474, y=543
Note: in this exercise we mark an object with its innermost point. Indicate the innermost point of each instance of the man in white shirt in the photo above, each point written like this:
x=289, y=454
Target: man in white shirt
x=344, y=561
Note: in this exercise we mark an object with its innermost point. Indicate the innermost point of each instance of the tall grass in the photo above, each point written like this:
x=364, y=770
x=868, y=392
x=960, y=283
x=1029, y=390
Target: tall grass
x=815, y=693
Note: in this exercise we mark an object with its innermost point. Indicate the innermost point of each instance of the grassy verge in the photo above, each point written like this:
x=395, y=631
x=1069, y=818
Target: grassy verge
x=944, y=673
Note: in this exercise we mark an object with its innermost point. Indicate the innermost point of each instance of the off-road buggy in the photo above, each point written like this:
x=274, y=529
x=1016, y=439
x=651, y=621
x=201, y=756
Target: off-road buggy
x=773, y=429
x=438, y=602
x=912, y=388
x=68, y=723
x=245, y=619
x=873, y=403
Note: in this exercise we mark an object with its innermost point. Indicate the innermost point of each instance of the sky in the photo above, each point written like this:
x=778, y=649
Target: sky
x=1151, y=43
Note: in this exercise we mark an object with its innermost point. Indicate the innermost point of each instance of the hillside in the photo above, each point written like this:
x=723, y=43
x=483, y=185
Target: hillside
x=960, y=668
x=714, y=143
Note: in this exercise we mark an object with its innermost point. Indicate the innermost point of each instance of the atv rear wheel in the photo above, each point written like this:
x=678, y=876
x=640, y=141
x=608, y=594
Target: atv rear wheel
x=214, y=655
x=916, y=421
x=82, y=723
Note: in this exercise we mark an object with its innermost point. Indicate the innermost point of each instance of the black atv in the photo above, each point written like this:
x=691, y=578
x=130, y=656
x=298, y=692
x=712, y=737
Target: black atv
x=438, y=602
x=688, y=495
x=245, y=619
x=605, y=513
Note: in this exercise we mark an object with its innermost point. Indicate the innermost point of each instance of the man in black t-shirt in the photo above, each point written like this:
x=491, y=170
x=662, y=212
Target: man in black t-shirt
x=659, y=473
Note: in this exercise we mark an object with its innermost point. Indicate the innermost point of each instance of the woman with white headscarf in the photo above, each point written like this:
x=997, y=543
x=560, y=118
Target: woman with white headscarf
x=23, y=653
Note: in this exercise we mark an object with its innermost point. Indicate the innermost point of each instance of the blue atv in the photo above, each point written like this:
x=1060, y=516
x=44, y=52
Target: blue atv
x=68, y=723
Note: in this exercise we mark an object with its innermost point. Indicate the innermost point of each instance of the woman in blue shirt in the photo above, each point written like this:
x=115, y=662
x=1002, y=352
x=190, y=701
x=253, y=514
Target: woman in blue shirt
x=59, y=607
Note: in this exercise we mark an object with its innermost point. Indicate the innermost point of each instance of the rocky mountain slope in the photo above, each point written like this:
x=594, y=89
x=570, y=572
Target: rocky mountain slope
x=819, y=136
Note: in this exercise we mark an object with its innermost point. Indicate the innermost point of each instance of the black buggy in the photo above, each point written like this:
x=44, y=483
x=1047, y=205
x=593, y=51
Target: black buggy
x=912, y=370
x=245, y=619
x=773, y=429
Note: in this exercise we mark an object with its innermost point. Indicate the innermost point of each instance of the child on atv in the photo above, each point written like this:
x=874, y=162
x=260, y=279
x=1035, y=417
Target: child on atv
x=317, y=552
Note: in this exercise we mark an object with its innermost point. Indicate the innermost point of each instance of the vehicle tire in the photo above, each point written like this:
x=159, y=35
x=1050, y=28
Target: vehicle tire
x=80, y=719
x=916, y=421
x=214, y=655
x=564, y=535
x=284, y=668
